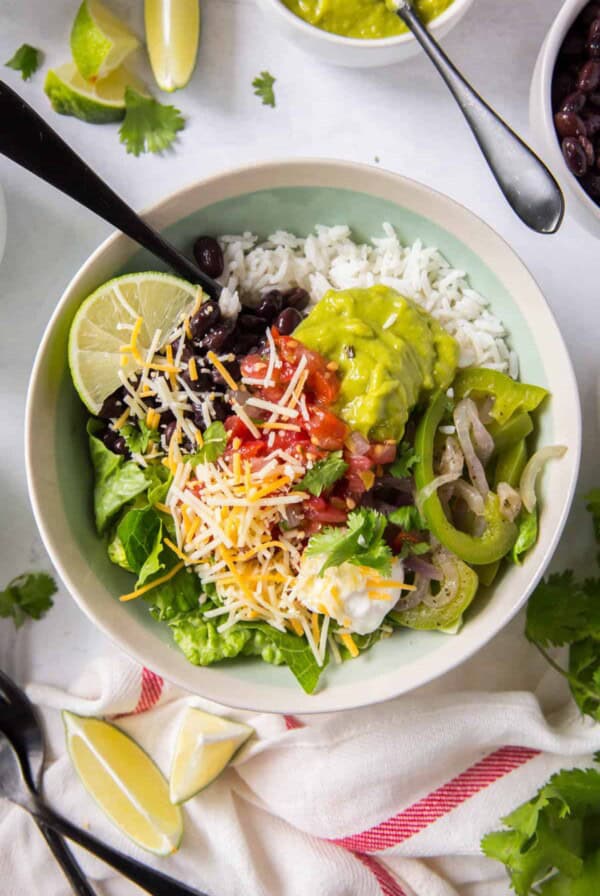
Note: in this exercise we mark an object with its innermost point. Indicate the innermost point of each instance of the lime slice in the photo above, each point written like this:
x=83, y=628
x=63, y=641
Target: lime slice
x=104, y=323
x=172, y=34
x=205, y=745
x=99, y=103
x=99, y=41
x=125, y=783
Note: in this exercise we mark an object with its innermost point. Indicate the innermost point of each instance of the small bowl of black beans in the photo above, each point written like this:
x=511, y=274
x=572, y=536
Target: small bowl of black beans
x=565, y=106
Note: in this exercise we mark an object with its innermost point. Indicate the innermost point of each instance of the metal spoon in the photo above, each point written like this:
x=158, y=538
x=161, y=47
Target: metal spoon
x=15, y=787
x=531, y=190
x=29, y=141
x=19, y=723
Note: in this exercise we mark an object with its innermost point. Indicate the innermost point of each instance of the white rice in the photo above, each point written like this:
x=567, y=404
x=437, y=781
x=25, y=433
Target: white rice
x=330, y=259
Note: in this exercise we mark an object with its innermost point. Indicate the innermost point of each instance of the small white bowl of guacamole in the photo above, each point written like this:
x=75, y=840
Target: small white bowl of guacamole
x=359, y=33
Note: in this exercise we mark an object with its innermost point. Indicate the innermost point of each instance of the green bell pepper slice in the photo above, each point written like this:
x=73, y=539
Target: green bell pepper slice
x=447, y=617
x=500, y=534
x=509, y=395
x=508, y=434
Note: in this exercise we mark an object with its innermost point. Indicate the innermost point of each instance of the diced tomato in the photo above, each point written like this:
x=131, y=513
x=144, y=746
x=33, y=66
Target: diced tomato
x=383, y=453
x=321, y=511
x=237, y=428
x=325, y=428
x=254, y=367
x=253, y=448
x=325, y=385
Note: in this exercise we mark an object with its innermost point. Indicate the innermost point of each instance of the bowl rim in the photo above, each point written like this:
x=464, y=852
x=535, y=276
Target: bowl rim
x=454, y=11
x=291, y=700
x=548, y=58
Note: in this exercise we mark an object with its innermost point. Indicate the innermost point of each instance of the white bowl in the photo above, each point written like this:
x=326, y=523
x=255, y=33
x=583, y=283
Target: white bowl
x=541, y=117
x=296, y=195
x=2, y=223
x=354, y=52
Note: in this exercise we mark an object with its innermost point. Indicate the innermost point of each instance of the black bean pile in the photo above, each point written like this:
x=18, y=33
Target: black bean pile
x=230, y=338
x=576, y=99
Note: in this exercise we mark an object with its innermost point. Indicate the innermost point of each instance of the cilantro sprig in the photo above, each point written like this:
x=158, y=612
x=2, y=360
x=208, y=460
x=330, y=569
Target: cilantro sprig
x=361, y=543
x=323, y=474
x=26, y=60
x=27, y=595
x=148, y=126
x=214, y=441
x=552, y=845
x=564, y=611
x=263, y=88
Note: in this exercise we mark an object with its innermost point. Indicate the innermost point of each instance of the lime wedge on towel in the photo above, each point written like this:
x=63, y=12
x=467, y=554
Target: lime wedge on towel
x=99, y=40
x=205, y=746
x=97, y=103
x=125, y=783
x=104, y=324
x=172, y=34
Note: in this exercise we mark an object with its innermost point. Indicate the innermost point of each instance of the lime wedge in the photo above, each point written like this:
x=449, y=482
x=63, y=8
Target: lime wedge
x=104, y=323
x=97, y=103
x=172, y=34
x=205, y=745
x=125, y=783
x=99, y=41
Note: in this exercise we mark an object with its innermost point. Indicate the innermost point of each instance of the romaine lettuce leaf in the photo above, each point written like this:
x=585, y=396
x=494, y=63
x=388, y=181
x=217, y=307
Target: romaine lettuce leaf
x=117, y=481
x=140, y=533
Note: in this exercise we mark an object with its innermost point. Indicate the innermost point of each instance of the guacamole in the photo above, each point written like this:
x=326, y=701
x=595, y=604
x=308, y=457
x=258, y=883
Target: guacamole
x=368, y=19
x=390, y=354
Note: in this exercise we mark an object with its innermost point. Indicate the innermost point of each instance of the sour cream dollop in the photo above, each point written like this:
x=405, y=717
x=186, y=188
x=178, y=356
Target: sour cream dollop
x=356, y=598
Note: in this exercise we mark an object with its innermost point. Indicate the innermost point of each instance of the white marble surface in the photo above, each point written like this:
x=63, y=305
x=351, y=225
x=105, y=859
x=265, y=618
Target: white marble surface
x=401, y=115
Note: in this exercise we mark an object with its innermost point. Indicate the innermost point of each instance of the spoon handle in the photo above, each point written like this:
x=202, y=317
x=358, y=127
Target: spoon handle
x=528, y=185
x=29, y=141
x=67, y=861
x=154, y=882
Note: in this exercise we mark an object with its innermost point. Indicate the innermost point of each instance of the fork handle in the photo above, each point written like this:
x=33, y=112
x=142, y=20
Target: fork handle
x=67, y=861
x=154, y=882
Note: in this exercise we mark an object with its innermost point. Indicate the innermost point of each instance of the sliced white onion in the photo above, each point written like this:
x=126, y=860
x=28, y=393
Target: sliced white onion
x=484, y=409
x=357, y=444
x=433, y=486
x=452, y=459
x=469, y=494
x=532, y=470
x=410, y=599
x=510, y=501
x=482, y=440
x=446, y=563
x=464, y=414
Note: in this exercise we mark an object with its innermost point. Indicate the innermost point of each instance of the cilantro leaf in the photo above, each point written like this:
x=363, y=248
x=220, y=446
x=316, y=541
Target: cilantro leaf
x=148, y=126
x=563, y=610
x=552, y=837
x=593, y=506
x=361, y=542
x=214, y=440
x=29, y=594
x=26, y=60
x=527, y=523
x=405, y=461
x=138, y=437
x=263, y=87
x=584, y=676
x=407, y=518
x=323, y=474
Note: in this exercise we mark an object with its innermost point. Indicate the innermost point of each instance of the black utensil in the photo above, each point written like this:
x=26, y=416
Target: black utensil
x=14, y=786
x=29, y=141
x=20, y=724
x=529, y=187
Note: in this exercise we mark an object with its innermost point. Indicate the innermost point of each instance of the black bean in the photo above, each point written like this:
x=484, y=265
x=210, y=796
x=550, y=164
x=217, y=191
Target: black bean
x=588, y=149
x=594, y=29
x=568, y=124
x=574, y=43
x=287, y=321
x=244, y=343
x=169, y=431
x=591, y=183
x=202, y=383
x=592, y=124
x=217, y=337
x=165, y=418
x=589, y=76
x=232, y=367
x=209, y=256
x=114, y=405
x=114, y=442
x=563, y=83
x=593, y=99
x=221, y=410
x=250, y=323
x=573, y=102
x=589, y=13
x=207, y=315
x=296, y=298
x=187, y=351
x=575, y=156
x=270, y=305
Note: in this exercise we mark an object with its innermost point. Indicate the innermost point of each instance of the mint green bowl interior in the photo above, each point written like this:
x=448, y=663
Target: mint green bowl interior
x=84, y=563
